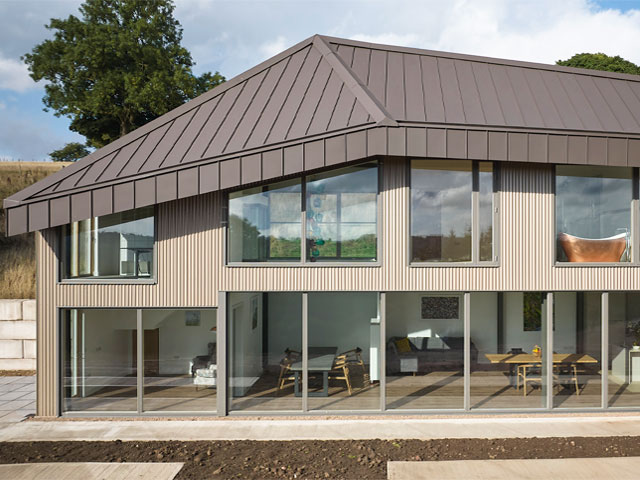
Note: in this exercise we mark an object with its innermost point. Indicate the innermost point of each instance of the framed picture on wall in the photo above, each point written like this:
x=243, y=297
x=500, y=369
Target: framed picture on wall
x=440, y=307
x=254, y=313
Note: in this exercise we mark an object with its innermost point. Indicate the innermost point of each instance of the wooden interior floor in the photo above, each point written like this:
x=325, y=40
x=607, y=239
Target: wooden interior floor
x=433, y=391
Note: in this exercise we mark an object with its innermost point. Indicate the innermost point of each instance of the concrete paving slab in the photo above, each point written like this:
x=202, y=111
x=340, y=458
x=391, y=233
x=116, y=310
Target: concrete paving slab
x=14, y=405
x=90, y=471
x=623, y=468
x=11, y=395
x=14, y=416
x=322, y=429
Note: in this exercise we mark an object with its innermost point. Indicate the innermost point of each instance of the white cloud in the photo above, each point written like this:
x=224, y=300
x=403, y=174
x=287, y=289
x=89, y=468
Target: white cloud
x=269, y=49
x=14, y=75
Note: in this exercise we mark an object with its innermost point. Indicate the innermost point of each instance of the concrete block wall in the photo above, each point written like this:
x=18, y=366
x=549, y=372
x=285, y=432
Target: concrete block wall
x=17, y=334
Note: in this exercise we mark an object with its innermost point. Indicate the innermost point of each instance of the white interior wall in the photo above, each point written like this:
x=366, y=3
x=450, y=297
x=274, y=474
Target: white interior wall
x=484, y=323
x=284, y=324
x=342, y=320
x=565, y=311
x=179, y=343
x=593, y=324
x=246, y=344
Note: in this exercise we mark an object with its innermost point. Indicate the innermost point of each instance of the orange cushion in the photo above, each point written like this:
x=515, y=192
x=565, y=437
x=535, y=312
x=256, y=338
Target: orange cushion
x=403, y=345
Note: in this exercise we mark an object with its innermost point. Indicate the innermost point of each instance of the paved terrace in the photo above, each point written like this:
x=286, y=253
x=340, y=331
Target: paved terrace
x=323, y=429
x=17, y=399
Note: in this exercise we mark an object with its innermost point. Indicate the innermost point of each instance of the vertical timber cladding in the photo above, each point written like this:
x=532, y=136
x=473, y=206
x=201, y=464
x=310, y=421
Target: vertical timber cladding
x=47, y=383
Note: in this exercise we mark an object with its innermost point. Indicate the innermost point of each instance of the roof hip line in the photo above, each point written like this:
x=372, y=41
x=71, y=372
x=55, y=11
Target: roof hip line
x=359, y=90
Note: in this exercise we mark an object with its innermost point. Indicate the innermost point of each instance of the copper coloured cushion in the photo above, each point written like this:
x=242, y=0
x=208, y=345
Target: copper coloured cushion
x=580, y=249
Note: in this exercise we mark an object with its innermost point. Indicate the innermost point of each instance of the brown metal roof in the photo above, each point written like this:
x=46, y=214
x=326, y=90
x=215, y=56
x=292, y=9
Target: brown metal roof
x=327, y=100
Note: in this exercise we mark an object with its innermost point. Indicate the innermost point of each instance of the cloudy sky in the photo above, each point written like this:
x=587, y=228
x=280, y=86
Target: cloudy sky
x=232, y=36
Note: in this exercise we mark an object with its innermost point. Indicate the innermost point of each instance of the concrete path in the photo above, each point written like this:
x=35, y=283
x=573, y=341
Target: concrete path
x=17, y=398
x=90, y=471
x=323, y=429
x=624, y=468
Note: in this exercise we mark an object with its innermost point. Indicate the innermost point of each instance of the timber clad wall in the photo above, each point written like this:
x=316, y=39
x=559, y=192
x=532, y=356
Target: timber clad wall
x=191, y=272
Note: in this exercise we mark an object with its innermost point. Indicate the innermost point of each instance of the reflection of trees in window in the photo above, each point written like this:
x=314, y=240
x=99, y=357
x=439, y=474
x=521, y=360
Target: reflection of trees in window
x=532, y=311
x=342, y=214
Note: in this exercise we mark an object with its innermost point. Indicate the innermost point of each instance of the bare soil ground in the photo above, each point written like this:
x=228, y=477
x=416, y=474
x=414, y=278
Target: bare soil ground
x=362, y=459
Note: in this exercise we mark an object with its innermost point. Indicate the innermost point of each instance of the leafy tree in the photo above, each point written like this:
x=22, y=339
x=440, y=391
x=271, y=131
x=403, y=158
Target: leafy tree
x=600, y=61
x=116, y=68
x=70, y=152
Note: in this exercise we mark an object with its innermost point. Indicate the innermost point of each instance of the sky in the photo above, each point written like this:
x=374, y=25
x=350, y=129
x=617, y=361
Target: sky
x=231, y=36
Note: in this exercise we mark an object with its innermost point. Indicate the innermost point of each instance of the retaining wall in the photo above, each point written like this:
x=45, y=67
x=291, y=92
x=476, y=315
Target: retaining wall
x=17, y=334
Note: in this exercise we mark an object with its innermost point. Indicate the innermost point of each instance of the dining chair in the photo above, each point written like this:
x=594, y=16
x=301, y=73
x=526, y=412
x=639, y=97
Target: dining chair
x=566, y=374
x=289, y=358
x=345, y=363
x=528, y=373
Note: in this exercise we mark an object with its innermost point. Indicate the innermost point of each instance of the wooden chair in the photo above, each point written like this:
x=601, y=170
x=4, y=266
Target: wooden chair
x=567, y=373
x=529, y=373
x=289, y=358
x=345, y=363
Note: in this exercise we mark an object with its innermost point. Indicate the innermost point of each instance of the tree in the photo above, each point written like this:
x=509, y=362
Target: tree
x=116, y=68
x=600, y=61
x=70, y=152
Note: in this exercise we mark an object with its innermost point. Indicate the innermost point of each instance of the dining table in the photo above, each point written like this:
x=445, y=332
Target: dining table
x=319, y=360
x=514, y=359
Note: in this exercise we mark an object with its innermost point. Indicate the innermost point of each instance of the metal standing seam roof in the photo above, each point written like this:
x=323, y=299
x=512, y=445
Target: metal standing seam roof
x=328, y=100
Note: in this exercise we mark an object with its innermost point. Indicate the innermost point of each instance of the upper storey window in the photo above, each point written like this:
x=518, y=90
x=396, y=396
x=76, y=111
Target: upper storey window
x=593, y=213
x=112, y=246
x=342, y=214
x=265, y=223
x=327, y=217
x=452, y=211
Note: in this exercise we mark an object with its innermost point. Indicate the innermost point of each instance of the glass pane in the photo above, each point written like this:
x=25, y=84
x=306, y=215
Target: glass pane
x=441, y=211
x=577, y=348
x=624, y=350
x=342, y=211
x=593, y=213
x=112, y=246
x=265, y=223
x=485, y=213
x=99, y=360
x=344, y=345
x=425, y=350
x=180, y=367
x=265, y=351
x=507, y=350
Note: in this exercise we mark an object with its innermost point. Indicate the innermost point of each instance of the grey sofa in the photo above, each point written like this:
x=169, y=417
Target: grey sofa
x=431, y=353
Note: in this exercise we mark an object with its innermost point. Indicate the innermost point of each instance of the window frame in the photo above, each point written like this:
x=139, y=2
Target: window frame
x=634, y=241
x=152, y=279
x=475, y=219
x=303, y=261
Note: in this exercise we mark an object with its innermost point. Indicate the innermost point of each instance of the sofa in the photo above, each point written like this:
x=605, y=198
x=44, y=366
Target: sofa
x=426, y=354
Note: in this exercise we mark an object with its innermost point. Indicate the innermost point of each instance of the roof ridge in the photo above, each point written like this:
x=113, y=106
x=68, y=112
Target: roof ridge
x=354, y=84
x=482, y=59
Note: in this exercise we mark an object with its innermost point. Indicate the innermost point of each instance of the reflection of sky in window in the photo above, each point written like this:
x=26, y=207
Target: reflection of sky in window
x=593, y=207
x=139, y=232
x=440, y=202
x=361, y=180
x=279, y=204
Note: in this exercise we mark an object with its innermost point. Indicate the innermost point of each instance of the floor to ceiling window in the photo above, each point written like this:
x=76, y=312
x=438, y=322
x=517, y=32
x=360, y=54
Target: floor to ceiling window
x=508, y=346
x=265, y=351
x=624, y=349
x=99, y=361
x=424, y=350
x=577, y=347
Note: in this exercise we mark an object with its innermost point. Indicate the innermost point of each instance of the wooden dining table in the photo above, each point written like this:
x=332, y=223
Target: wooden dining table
x=521, y=358
x=514, y=359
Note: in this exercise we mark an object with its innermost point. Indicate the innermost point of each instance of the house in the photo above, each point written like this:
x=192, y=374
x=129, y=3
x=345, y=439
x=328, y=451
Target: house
x=350, y=227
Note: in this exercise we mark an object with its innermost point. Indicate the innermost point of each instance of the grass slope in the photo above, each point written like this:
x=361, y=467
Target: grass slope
x=17, y=254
